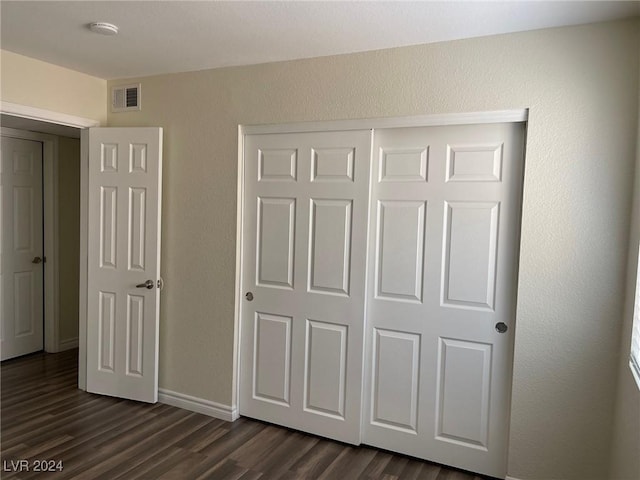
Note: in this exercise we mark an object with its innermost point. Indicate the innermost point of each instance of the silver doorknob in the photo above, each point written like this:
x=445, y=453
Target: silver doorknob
x=249, y=296
x=36, y=260
x=148, y=284
x=501, y=327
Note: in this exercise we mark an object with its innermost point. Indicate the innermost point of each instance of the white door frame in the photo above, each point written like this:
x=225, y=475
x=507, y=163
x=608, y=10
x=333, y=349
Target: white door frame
x=50, y=197
x=500, y=116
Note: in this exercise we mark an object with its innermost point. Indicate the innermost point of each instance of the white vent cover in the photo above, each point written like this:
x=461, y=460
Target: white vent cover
x=125, y=98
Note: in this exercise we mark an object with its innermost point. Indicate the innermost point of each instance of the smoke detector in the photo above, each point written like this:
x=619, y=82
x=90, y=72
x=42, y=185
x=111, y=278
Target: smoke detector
x=103, y=28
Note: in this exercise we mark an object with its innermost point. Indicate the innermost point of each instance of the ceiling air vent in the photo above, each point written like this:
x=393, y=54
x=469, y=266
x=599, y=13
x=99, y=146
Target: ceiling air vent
x=125, y=98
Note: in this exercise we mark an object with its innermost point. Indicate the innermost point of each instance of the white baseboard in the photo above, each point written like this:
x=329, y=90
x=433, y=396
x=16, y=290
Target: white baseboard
x=510, y=478
x=67, y=344
x=198, y=405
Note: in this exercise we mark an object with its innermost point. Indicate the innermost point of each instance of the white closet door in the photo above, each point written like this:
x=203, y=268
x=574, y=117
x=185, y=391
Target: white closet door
x=21, y=248
x=445, y=218
x=304, y=255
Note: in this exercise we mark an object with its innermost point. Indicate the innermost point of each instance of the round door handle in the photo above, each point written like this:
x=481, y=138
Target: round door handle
x=36, y=260
x=249, y=296
x=501, y=327
x=148, y=284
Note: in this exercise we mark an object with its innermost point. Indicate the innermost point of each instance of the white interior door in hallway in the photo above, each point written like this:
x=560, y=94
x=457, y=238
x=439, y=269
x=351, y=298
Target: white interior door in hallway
x=21, y=248
x=442, y=275
x=413, y=314
x=123, y=293
x=305, y=230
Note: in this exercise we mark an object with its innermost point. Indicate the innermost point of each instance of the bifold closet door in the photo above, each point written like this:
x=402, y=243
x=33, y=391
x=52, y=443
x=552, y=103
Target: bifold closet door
x=304, y=256
x=445, y=222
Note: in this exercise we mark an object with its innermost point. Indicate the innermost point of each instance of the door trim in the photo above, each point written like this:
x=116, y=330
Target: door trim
x=498, y=116
x=470, y=118
x=84, y=259
x=235, y=378
x=50, y=116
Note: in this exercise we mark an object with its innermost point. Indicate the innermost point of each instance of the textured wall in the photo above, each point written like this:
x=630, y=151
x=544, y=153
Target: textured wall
x=68, y=235
x=625, y=447
x=34, y=83
x=580, y=84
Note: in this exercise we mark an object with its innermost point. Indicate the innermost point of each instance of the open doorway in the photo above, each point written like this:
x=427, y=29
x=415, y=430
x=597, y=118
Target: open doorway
x=60, y=227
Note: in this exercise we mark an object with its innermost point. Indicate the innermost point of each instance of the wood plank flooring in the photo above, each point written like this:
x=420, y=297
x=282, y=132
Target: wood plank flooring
x=45, y=417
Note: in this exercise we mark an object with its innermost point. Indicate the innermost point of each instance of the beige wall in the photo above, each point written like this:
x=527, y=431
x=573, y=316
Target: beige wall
x=625, y=447
x=68, y=236
x=31, y=82
x=581, y=85
x=34, y=83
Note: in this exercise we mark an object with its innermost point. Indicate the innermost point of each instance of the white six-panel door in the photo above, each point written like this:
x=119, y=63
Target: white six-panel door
x=442, y=274
x=21, y=248
x=440, y=231
x=305, y=230
x=125, y=178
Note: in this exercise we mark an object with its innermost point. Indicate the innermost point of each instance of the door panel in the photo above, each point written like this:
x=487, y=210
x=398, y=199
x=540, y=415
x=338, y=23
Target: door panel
x=108, y=226
x=330, y=255
x=137, y=228
x=400, y=246
x=304, y=251
x=276, y=235
x=395, y=380
x=272, y=354
x=106, y=326
x=24, y=298
x=464, y=376
x=332, y=164
x=469, y=258
x=403, y=165
x=135, y=335
x=474, y=162
x=23, y=209
x=21, y=279
x=444, y=270
x=125, y=178
x=326, y=368
x=277, y=165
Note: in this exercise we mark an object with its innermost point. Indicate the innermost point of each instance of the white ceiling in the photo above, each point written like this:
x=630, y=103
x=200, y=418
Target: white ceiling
x=173, y=36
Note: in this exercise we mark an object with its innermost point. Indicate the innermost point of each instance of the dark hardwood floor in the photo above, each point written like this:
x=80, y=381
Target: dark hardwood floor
x=45, y=417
